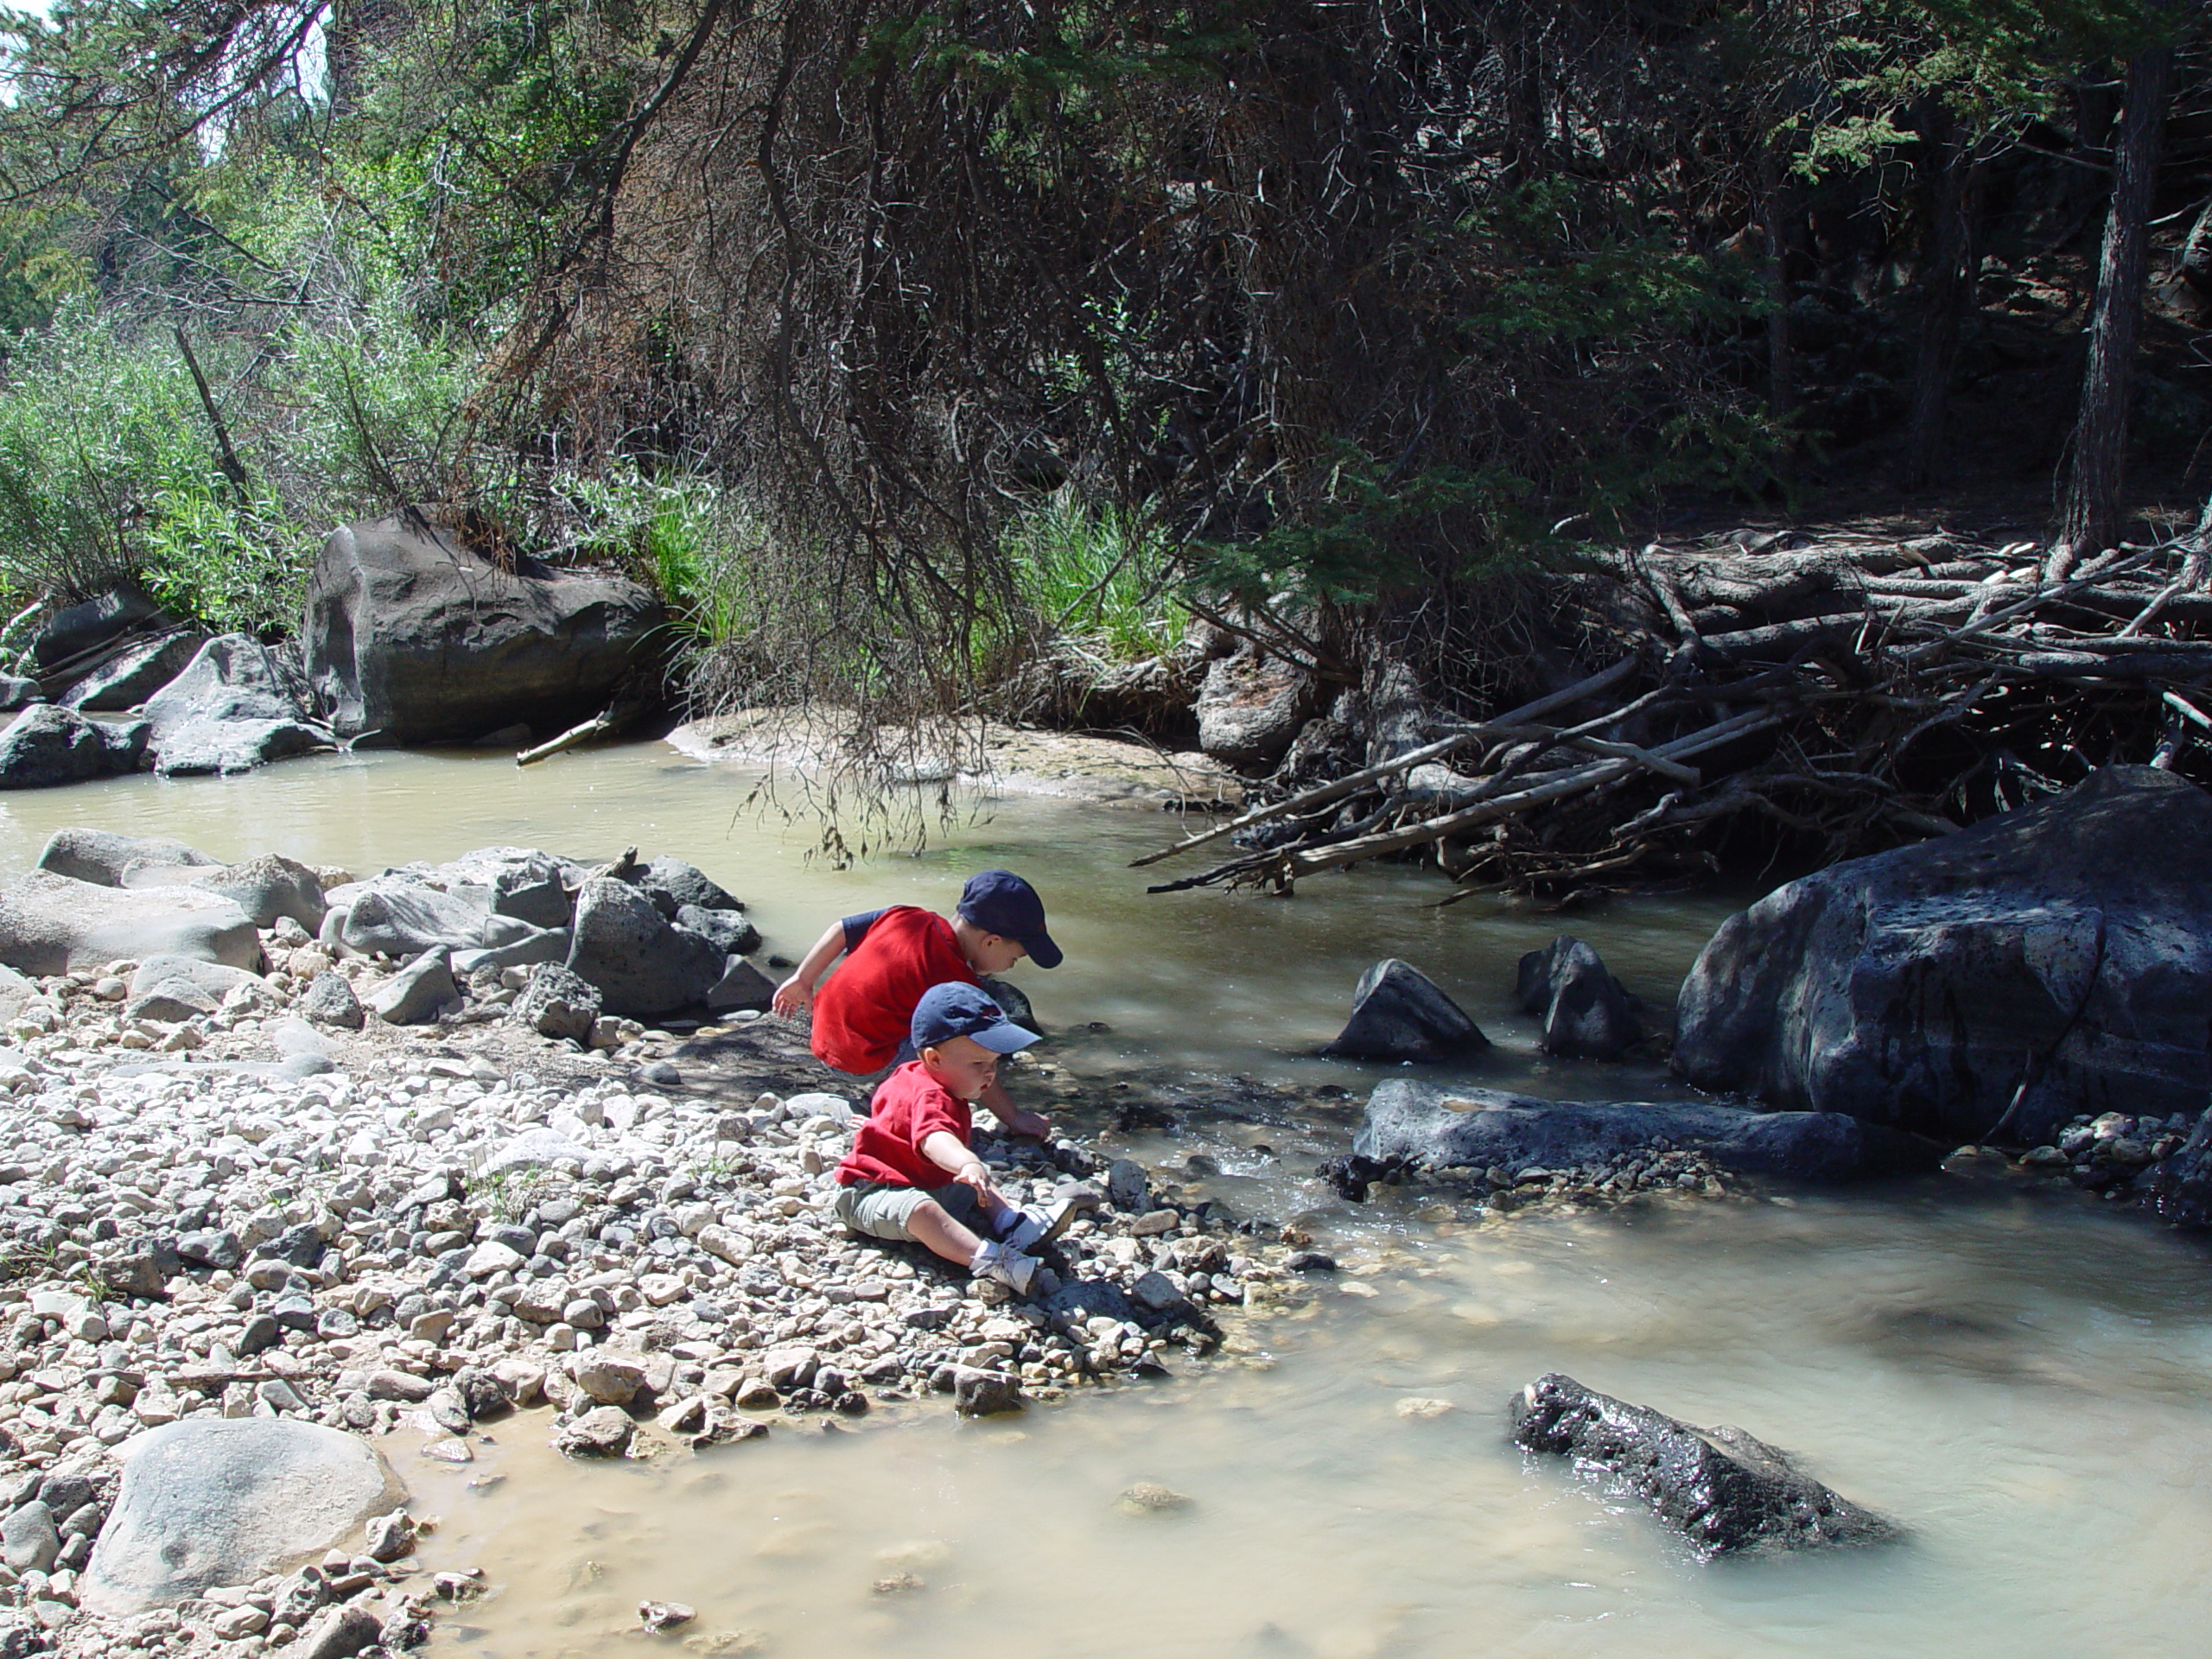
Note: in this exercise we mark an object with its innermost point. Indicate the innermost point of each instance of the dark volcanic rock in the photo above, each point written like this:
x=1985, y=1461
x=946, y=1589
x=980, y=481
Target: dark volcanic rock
x=85, y=627
x=47, y=745
x=642, y=966
x=1719, y=1488
x=2067, y=946
x=413, y=635
x=675, y=884
x=1431, y=1126
x=1398, y=1013
x=733, y=935
x=1250, y=709
x=1584, y=1009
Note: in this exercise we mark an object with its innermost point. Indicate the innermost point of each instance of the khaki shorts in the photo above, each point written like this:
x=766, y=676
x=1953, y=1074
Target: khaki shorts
x=882, y=1210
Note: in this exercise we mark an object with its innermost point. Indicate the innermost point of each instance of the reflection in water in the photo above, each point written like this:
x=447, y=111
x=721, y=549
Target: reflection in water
x=2019, y=1378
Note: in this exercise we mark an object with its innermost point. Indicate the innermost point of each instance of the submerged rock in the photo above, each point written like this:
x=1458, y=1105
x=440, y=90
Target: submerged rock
x=1428, y=1126
x=1585, y=1014
x=1722, y=1488
x=2046, y=963
x=1398, y=1013
x=214, y=1501
x=411, y=634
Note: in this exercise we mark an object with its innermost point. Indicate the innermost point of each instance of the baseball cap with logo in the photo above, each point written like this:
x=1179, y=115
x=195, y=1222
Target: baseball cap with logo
x=1000, y=902
x=955, y=1009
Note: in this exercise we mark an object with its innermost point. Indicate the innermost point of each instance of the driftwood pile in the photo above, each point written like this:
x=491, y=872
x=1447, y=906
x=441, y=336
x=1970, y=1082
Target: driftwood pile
x=1855, y=694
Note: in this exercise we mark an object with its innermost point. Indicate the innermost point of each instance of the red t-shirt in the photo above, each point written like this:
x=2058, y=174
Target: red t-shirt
x=864, y=1010
x=909, y=1107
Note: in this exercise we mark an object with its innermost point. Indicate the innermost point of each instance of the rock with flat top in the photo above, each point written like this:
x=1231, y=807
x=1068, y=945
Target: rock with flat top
x=415, y=995
x=127, y=680
x=1725, y=1491
x=50, y=924
x=178, y=987
x=1432, y=1126
x=397, y=915
x=269, y=886
x=1398, y=1013
x=213, y=1501
x=100, y=856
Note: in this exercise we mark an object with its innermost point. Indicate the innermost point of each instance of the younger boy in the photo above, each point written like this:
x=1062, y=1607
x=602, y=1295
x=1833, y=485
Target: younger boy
x=913, y=1173
x=892, y=957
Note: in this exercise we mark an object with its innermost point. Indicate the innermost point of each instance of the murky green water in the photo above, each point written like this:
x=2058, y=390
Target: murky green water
x=2019, y=1378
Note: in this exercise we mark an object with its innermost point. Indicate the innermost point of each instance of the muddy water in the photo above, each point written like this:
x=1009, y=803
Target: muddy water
x=2019, y=1378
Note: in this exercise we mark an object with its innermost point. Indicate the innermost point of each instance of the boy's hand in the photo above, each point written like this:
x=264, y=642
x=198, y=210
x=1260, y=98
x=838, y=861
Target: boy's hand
x=977, y=1176
x=792, y=995
x=1028, y=1125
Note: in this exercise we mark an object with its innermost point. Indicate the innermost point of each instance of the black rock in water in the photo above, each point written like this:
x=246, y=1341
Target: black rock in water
x=1398, y=1013
x=1722, y=1488
x=1985, y=986
x=1585, y=1012
x=1410, y=1124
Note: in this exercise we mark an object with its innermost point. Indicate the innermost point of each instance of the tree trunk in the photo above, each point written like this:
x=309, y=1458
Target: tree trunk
x=2089, y=519
x=1947, y=289
x=1774, y=209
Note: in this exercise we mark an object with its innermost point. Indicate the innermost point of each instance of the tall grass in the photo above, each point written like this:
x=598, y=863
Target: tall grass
x=1095, y=575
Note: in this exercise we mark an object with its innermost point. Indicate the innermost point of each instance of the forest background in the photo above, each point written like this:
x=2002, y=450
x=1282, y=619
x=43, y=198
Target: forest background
x=958, y=360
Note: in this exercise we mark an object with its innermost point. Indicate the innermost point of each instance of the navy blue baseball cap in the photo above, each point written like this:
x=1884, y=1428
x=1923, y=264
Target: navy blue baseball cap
x=955, y=1009
x=1000, y=902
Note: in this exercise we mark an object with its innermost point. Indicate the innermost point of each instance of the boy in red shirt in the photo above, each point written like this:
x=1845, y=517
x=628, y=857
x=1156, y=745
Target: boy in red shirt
x=912, y=1174
x=892, y=957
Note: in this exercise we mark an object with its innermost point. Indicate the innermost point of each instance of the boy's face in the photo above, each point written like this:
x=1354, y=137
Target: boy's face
x=962, y=1065
x=996, y=953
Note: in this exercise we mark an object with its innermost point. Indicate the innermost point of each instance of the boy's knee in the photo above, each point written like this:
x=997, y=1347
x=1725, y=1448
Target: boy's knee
x=929, y=1212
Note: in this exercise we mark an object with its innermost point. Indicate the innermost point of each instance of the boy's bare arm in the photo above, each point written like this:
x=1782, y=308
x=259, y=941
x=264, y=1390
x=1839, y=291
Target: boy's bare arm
x=797, y=991
x=958, y=1160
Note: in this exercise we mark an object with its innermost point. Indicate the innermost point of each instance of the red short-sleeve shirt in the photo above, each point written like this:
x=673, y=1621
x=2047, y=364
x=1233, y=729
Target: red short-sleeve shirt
x=909, y=1106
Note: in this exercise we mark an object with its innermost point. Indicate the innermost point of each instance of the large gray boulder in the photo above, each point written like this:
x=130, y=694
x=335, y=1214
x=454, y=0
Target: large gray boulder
x=46, y=745
x=1585, y=1012
x=411, y=634
x=1250, y=708
x=213, y=1501
x=741, y=985
x=642, y=966
x=1432, y=1126
x=101, y=857
x=2045, y=963
x=399, y=917
x=1399, y=1013
x=126, y=680
x=179, y=988
x=1721, y=1488
x=17, y=692
x=235, y=706
x=50, y=924
x=272, y=886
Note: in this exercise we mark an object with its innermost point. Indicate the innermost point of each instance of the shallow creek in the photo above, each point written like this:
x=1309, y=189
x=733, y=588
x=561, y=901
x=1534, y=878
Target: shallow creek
x=2016, y=1375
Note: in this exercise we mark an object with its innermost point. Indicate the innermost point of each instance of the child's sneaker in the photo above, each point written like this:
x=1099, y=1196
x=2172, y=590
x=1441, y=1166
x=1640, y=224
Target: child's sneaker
x=1040, y=1224
x=1007, y=1266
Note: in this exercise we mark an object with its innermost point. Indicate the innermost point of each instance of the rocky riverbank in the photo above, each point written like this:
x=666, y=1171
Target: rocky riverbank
x=253, y=1199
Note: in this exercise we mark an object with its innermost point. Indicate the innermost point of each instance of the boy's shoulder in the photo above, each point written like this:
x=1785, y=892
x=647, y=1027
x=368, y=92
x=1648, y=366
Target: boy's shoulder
x=910, y=1085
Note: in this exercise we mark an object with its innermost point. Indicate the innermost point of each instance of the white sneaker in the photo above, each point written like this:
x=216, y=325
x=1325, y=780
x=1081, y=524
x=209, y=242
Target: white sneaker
x=1040, y=1224
x=1008, y=1266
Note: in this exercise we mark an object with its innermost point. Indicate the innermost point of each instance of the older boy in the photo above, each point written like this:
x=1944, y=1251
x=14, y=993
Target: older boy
x=892, y=957
x=912, y=1172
